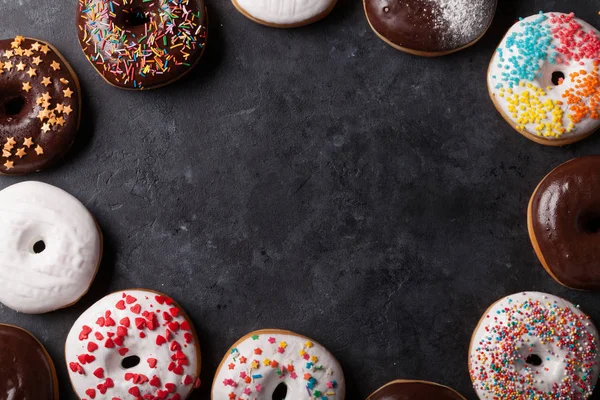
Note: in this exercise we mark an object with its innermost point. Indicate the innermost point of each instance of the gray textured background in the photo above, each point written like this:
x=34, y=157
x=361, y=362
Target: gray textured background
x=312, y=179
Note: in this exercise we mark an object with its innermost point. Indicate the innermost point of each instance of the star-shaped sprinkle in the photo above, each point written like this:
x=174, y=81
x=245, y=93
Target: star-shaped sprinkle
x=8, y=65
x=45, y=128
x=60, y=121
x=9, y=165
x=36, y=46
x=6, y=153
x=46, y=81
x=15, y=43
x=55, y=66
x=21, y=152
x=27, y=53
x=254, y=337
x=20, y=66
x=31, y=72
x=43, y=114
x=45, y=49
x=60, y=107
x=11, y=141
x=27, y=87
x=67, y=110
x=19, y=51
x=39, y=150
x=28, y=142
x=255, y=364
x=68, y=92
x=9, y=54
x=46, y=96
x=37, y=60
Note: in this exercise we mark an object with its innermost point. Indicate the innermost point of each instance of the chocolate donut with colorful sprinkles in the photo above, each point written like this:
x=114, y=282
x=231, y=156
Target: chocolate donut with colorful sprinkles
x=142, y=44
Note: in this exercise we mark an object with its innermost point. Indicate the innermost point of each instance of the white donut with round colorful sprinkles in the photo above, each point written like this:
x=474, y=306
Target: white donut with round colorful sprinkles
x=544, y=78
x=134, y=344
x=534, y=346
x=268, y=361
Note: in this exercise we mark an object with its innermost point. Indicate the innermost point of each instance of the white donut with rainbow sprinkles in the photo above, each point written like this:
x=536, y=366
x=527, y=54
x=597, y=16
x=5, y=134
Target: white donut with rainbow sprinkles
x=274, y=364
x=534, y=346
x=544, y=78
x=133, y=344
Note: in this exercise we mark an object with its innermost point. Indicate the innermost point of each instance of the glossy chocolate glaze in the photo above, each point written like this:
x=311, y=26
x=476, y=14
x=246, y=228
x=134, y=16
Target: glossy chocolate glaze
x=112, y=49
x=25, y=371
x=565, y=216
x=18, y=70
x=420, y=25
x=415, y=391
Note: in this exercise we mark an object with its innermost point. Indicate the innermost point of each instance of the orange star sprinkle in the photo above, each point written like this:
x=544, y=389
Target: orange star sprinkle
x=11, y=140
x=20, y=66
x=68, y=92
x=8, y=65
x=46, y=81
x=39, y=150
x=45, y=49
x=9, y=165
x=28, y=142
x=27, y=53
x=31, y=72
x=27, y=87
x=55, y=66
x=45, y=128
x=19, y=51
x=9, y=54
x=36, y=46
x=21, y=152
x=37, y=60
x=68, y=110
x=6, y=154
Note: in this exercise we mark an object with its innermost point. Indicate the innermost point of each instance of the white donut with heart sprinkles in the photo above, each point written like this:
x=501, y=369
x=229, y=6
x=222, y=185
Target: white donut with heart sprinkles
x=134, y=344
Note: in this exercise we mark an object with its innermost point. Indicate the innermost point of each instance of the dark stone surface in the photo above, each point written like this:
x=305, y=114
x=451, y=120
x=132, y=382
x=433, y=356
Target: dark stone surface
x=315, y=180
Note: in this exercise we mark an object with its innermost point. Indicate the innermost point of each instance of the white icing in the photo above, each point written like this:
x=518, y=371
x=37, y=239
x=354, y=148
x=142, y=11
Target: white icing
x=493, y=349
x=109, y=359
x=285, y=349
x=285, y=12
x=62, y=273
x=496, y=82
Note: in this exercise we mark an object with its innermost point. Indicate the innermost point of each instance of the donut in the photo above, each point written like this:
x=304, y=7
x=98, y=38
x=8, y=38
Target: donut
x=26, y=369
x=534, y=346
x=50, y=248
x=563, y=218
x=273, y=364
x=285, y=13
x=430, y=28
x=414, y=390
x=544, y=81
x=40, y=105
x=136, y=343
x=142, y=44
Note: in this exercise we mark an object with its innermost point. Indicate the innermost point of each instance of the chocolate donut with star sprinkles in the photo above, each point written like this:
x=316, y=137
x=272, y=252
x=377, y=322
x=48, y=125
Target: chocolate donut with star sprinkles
x=142, y=44
x=40, y=105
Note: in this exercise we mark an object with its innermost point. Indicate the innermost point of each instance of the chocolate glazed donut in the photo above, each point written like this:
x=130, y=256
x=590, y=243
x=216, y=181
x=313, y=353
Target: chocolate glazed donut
x=430, y=27
x=414, y=390
x=141, y=44
x=564, y=223
x=40, y=106
x=26, y=370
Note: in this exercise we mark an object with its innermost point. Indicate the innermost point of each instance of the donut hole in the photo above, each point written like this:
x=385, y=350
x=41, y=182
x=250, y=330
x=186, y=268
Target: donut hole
x=590, y=222
x=280, y=392
x=534, y=359
x=14, y=105
x=135, y=17
x=38, y=247
x=557, y=78
x=130, y=362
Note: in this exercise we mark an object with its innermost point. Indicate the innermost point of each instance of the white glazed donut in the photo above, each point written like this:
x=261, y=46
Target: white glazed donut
x=534, y=346
x=133, y=344
x=50, y=248
x=544, y=78
x=265, y=362
x=285, y=13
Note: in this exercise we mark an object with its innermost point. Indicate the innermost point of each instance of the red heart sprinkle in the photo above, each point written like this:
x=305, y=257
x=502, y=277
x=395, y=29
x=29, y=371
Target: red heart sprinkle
x=123, y=350
x=152, y=362
x=109, y=344
x=136, y=309
x=91, y=347
x=91, y=393
x=170, y=387
x=160, y=340
x=185, y=326
x=120, y=305
x=125, y=322
x=187, y=380
x=99, y=373
x=174, y=311
x=134, y=391
x=160, y=299
x=99, y=336
x=155, y=381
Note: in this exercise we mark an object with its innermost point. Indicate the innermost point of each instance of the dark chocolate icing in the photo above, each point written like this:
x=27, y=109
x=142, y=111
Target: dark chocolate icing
x=565, y=218
x=142, y=45
x=33, y=104
x=427, y=26
x=26, y=373
x=411, y=390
